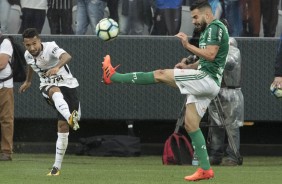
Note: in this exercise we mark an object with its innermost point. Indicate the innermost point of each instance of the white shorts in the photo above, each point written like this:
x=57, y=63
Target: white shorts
x=199, y=87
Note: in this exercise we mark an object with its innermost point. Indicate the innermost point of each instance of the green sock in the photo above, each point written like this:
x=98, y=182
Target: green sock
x=200, y=148
x=134, y=78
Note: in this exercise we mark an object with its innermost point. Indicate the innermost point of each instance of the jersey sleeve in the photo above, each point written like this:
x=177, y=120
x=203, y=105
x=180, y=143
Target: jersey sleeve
x=56, y=51
x=214, y=35
x=6, y=48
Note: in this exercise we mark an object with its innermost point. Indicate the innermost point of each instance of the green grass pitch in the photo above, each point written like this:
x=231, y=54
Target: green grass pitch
x=32, y=169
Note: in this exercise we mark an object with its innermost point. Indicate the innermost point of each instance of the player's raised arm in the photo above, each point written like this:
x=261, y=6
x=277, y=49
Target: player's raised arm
x=209, y=53
x=63, y=59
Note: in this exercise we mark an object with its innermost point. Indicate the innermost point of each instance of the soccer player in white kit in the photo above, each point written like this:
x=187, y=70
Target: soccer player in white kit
x=57, y=85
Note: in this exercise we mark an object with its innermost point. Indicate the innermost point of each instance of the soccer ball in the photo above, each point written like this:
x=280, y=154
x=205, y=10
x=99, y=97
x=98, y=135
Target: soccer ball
x=277, y=92
x=107, y=29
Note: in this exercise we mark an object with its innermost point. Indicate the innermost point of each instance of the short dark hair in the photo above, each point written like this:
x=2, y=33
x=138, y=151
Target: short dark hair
x=30, y=33
x=198, y=4
x=225, y=22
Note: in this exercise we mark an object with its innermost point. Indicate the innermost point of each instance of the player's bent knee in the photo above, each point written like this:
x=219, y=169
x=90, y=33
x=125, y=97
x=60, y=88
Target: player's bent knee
x=190, y=127
x=53, y=90
x=163, y=75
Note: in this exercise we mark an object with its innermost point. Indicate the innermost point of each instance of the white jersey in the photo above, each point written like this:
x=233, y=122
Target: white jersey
x=6, y=48
x=48, y=58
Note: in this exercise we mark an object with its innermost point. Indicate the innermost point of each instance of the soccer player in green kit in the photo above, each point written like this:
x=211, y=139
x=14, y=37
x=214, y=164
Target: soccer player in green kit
x=199, y=81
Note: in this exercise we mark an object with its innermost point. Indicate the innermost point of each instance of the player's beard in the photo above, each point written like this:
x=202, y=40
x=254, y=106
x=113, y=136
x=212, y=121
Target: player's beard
x=201, y=26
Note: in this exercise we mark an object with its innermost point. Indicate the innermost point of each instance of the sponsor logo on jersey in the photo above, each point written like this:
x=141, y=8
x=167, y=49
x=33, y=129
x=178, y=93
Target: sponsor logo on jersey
x=220, y=31
x=209, y=34
x=55, y=50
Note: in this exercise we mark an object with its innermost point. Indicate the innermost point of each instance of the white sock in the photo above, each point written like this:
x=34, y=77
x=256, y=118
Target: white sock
x=61, y=147
x=61, y=105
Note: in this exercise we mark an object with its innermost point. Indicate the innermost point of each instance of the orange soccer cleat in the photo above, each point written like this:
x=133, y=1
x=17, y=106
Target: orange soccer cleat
x=108, y=69
x=200, y=174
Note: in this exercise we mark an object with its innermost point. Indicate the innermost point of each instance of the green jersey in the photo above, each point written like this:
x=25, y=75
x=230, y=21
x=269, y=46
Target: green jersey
x=215, y=34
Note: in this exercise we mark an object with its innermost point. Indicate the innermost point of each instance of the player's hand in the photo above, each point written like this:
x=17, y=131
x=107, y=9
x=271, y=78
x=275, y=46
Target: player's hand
x=24, y=86
x=52, y=71
x=182, y=64
x=183, y=38
x=277, y=82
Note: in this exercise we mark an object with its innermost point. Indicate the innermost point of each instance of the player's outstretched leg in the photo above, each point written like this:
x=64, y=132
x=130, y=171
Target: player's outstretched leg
x=111, y=76
x=73, y=120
